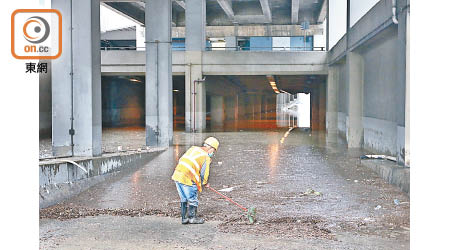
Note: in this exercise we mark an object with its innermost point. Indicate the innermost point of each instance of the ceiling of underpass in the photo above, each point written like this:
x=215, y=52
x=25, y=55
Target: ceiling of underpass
x=235, y=12
x=260, y=84
x=251, y=84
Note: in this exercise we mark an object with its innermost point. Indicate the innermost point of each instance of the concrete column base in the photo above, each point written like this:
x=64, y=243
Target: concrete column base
x=355, y=132
x=331, y=123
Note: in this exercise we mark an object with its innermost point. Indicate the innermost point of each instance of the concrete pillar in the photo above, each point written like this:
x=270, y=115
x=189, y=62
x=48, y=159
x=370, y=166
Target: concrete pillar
x=322, y=106
x=314, y=100
x=195, y=44
x=62, y=86
x=158, y=76
x=230, y=42
x=402, y=86
x=217, y=111
x=332, y=100
x=242, y=103
x=76, y=77
x=407, y=99
x=230, y=106
x=355, y=77
x=257, y=107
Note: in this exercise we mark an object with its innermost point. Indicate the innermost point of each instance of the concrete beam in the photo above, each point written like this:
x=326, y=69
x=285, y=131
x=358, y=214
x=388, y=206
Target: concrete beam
x=131, y=10
x=227, y=7
x=294, y=11
x=266, y=10
x=323, y=12
x=251, y=19
x=137, y=20
x=224, y=31
x=222, y=62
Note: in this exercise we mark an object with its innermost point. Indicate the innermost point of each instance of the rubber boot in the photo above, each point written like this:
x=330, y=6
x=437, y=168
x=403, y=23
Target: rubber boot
x=193, y=219
x=184, y=217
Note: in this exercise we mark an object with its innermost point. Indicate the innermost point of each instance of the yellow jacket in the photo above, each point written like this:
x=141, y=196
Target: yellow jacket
x=189, y=167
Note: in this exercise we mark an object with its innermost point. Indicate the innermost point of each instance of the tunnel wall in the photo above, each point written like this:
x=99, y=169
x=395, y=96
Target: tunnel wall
x=381, y=94
x=123, y=102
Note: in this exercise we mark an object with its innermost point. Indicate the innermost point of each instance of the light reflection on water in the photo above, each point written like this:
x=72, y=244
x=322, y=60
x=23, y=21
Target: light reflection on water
x=273, y=160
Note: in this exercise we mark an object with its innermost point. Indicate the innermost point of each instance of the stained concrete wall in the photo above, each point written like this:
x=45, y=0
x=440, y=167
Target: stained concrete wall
x=382, y=95
x=45, y=102
x=60, y=180
x=342, y=99
x=381, y=44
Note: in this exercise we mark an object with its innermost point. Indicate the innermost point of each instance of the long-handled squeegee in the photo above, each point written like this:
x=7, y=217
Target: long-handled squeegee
x=251, y=212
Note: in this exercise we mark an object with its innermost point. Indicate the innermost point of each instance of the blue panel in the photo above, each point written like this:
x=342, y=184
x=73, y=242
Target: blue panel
x=178, y=44
x=261, y=43
x=297, y=43
x=309, y=43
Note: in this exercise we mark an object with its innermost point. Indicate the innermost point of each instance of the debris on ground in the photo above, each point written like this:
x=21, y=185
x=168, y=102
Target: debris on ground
x=369, y=219
x=379, y=157
x=285, y=227
x=312, y=192
x=226, y=189
x=396, y=202
x=66, y=213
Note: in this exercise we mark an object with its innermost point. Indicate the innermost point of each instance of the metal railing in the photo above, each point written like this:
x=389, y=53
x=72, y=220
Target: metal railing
x=237, y=48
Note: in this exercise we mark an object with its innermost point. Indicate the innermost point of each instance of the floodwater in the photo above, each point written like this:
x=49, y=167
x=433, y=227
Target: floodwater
x=302, y=184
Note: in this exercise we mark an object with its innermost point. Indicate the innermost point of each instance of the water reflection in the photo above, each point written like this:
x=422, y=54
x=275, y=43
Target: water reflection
x=273, y=160
x=286, y=135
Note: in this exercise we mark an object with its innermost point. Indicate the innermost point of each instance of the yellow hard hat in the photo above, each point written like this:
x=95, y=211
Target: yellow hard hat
x=213, y=142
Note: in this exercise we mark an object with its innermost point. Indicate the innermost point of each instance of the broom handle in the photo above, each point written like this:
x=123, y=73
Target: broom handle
x=228, y=199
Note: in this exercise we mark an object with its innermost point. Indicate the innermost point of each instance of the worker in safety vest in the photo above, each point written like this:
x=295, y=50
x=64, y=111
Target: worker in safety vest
x=190, y=174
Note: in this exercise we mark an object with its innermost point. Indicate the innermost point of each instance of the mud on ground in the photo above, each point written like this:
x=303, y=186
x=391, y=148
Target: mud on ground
x=305, y=187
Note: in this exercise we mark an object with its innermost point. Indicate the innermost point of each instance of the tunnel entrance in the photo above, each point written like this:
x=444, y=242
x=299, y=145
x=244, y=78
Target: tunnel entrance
x=262, y=102
x=233, y=103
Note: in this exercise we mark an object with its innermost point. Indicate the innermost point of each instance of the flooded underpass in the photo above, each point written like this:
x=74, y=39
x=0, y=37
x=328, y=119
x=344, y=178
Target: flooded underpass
x=308, y=190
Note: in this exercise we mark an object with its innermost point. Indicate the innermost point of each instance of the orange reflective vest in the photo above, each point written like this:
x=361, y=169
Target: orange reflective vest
x=189, y=167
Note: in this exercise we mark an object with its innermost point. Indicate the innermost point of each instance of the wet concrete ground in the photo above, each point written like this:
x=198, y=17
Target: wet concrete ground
x=128, y=138
x=354, y=210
